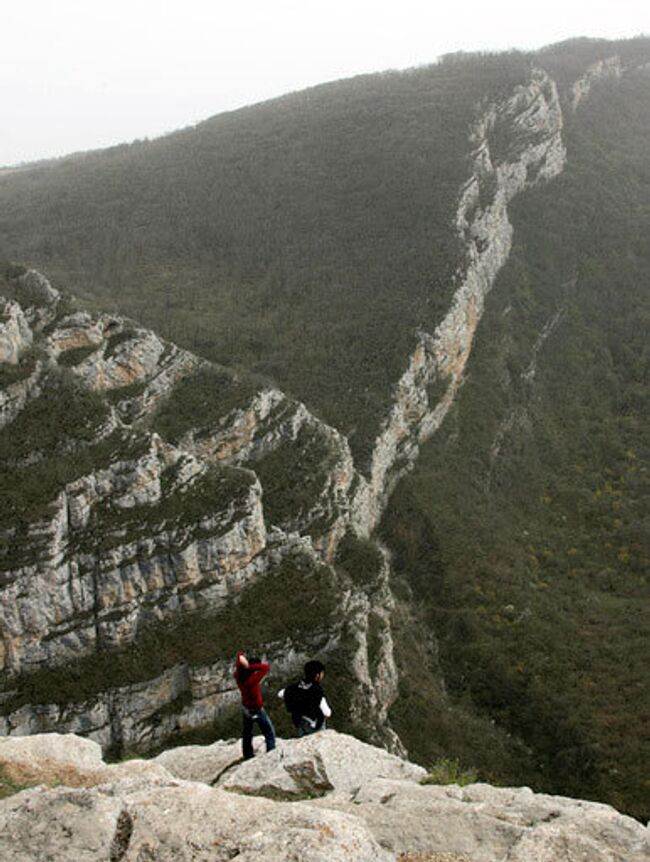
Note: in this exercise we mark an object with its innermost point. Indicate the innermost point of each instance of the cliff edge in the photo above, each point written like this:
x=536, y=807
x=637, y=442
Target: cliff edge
x=324, y=797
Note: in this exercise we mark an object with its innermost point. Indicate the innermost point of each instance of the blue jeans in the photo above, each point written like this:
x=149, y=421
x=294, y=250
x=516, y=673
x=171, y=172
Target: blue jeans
x=249, y=717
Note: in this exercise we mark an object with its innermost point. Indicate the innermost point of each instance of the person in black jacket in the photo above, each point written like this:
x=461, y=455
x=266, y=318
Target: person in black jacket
x=306, y=700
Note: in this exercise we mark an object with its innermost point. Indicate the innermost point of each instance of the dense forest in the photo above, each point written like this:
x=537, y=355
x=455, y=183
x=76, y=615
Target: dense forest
x=306, y=241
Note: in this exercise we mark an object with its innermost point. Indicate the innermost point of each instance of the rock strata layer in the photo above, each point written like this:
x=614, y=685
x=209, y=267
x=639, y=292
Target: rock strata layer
x=177, y=488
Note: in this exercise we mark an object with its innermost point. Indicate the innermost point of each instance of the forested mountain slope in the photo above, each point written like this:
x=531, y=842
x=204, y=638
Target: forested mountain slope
x=458, y=255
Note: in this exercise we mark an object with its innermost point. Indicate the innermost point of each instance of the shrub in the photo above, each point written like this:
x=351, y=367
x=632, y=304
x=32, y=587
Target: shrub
x=449, y=771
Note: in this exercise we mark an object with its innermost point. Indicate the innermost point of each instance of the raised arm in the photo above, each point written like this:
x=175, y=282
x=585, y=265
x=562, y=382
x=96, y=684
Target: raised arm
x=258, y=671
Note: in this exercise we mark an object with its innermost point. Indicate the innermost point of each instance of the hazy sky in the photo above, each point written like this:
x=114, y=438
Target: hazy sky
x=80, y=74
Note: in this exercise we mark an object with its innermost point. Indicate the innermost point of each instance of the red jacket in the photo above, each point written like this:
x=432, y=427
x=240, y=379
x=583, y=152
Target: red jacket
x=249, y=686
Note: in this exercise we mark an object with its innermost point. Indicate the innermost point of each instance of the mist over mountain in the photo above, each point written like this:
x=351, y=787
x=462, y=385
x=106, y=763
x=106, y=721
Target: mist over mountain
x=386, y=399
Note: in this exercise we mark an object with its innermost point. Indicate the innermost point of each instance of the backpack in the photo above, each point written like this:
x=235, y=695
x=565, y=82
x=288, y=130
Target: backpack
x=295, y=698
x=302, y=700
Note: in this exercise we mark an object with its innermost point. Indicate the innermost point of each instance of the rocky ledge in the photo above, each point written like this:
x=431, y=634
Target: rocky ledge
x=327, y=797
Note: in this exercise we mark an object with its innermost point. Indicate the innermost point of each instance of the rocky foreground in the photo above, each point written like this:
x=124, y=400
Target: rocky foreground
x=323, y=798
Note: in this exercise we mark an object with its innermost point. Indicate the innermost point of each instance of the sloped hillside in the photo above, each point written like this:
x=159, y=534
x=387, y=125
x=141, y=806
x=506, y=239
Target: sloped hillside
x=446, y=270
x=150, y=527
x=525, y=528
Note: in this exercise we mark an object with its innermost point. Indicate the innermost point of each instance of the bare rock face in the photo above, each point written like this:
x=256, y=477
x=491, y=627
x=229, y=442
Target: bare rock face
x=137, y=524
x=66, y=759
x=608, y=68
x=175, y=821
x=62, y=749
x=204, y=763
x=482, y=823
x=15, y=334
x=315, y=765
x=370, y=808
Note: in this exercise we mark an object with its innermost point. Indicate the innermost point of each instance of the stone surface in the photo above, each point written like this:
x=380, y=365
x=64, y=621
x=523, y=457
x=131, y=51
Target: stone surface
x=15, y=333
x=204, y=763
x=53, y=758
x=482, y=823
x=139, y=811
x=315, y=765
x=59, y=748
x=174, y=821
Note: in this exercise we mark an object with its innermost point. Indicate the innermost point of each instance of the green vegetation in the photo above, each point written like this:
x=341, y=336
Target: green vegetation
x=304, y=239
x=8, y=786
x=202, y=399
x=76, y=355
x=360, y=559
x=63, y=411
x=294, y=475
x=10, y=271
x=51, y=442
x=10, y=374
x=449, y=771
x=523, y=533
x=9, y=274
x=114, y=341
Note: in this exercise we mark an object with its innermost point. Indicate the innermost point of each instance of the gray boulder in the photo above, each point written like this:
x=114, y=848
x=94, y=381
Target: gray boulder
x=144, y=820
x=204, y=763
x=55, y=758
x=315, y=765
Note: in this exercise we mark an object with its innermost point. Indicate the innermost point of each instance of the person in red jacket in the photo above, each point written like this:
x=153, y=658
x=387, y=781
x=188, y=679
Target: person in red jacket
x=248, y=675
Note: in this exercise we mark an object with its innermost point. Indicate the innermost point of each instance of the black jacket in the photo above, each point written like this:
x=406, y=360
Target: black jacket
x=303, y=700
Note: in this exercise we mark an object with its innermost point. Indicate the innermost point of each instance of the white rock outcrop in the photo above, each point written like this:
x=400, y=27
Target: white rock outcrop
x=533, y=116
x=611, y=67
x=315, y=765
x=370, y=808
x=95, y=578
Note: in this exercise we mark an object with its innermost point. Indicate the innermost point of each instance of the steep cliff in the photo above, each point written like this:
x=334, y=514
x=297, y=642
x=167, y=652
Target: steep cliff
x=196, y=466
x=134, y=515
x=376, y=255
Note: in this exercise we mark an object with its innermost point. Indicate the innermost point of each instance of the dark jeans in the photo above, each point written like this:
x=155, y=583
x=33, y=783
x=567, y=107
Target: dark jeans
x=249, y=717
x=305, y=728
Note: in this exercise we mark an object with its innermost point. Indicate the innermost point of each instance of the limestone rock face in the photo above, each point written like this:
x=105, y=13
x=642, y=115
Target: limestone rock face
x=15, y=333
x=482, y=823
x=370, y=806
x=315, y=765
x=204, y=763
x=150, y=522
x=608, y=68
x=532, y=115
x=87, y=586
x=175, y=821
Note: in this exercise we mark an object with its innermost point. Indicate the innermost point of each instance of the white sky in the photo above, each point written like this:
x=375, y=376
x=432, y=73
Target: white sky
x=81, y=74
